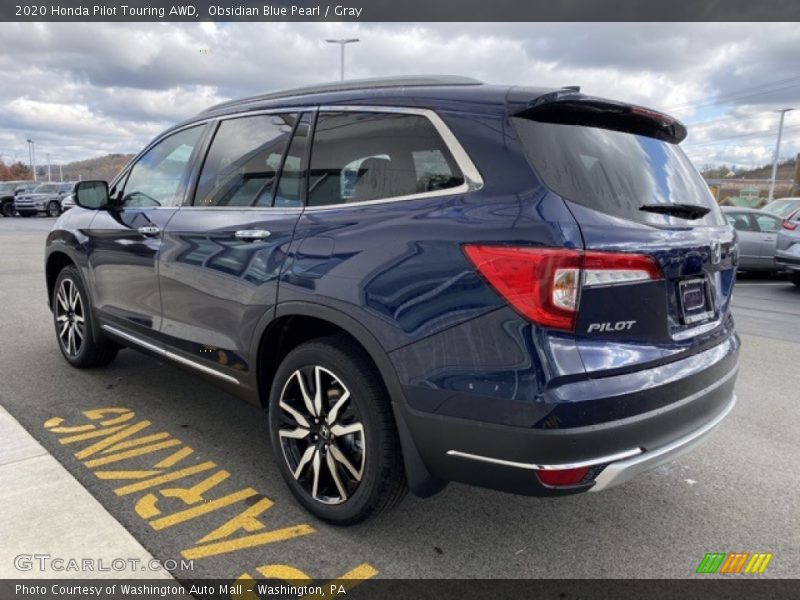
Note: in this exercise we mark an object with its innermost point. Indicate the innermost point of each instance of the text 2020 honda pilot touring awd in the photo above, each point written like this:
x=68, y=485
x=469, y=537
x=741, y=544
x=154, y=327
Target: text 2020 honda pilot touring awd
x=423, y=280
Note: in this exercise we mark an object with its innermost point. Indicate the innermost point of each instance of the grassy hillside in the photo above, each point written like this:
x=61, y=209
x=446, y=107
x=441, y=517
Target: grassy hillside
x=102, y=167
x=785, y=171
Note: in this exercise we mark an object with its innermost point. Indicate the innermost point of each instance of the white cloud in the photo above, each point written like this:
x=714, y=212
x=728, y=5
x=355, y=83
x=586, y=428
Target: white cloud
x=82, y=89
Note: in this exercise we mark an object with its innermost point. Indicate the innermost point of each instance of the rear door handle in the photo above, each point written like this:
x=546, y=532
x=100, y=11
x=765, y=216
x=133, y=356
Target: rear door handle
x=149, y=230
x=251, y=235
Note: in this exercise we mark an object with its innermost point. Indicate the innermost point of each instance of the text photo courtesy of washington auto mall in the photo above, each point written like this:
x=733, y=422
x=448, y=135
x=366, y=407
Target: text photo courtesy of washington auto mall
x=424, y=300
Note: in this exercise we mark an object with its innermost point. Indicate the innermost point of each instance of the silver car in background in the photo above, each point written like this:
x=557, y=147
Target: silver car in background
x=758, y=233
x=46, y=198
x=783, y=207
x=787, y=252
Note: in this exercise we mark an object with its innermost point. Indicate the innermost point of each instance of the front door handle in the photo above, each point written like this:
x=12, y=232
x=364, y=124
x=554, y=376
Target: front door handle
x=251, y=235
x=149, y=230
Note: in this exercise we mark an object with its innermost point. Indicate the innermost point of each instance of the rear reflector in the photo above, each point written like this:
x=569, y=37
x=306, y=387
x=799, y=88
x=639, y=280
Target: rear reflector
x=562, y=477
x=544, y=284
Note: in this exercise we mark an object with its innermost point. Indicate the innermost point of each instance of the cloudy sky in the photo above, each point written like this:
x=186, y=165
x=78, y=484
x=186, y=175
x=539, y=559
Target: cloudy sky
x=85, y=89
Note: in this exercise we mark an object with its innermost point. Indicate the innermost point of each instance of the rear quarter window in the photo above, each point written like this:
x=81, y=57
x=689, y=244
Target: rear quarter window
x=367, y=156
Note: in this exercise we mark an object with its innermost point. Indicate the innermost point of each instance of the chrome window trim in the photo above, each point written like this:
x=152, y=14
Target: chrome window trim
x=473, y=180
x=168, y=354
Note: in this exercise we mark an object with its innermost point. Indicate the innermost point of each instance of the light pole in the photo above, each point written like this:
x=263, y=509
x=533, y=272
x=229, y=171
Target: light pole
x=783, y=112
x=342, y=42
x=48, y=167
x=32, y=156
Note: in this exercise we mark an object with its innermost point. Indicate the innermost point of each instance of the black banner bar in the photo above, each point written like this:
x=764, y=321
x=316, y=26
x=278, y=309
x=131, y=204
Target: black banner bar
x=404, y=10
x=711, y=587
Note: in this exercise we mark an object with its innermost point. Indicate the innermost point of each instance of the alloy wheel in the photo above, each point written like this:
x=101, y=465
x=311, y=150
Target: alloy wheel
x=70, y=319
x=53, y=210
x=321, y=434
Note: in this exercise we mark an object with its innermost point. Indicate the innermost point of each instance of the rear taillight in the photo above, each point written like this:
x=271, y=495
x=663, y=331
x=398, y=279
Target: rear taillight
x=544, y=284
x=787, y=224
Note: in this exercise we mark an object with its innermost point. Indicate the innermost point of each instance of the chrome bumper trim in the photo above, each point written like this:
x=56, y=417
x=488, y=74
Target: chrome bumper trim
x=539, y=467
x=622, y=471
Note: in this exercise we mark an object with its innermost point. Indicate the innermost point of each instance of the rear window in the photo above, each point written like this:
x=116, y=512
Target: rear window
x=615, y=172
x=782, y=208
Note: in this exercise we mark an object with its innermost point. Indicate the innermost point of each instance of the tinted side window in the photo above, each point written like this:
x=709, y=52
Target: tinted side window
x=741, y=221
x=159, y=177
x=768, y=224
x=358, y=157
x=291, y=186
x=243, y=161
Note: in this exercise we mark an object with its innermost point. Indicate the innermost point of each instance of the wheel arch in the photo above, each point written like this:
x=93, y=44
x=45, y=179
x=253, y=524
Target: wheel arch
x=58, y=256
x=313, y=320
x=55, y=263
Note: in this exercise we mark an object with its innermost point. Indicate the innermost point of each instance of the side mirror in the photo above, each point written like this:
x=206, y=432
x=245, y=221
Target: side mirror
x=92, y=194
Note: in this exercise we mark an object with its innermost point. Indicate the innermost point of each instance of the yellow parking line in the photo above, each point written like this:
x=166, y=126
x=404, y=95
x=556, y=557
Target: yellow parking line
x=112, y=439
x=196, y=511
x=137, y=442
x=249, y=541
x=174, y=475
x=174, y=458
x=104, y=460
x=92, y=434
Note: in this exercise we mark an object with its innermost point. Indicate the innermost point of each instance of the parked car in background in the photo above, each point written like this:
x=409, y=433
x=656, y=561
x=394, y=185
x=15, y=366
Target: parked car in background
x=8, y=191
x=46, y=198
x=424, y=280
x=787, y=251
x=68, y=201
x=758, y=232
x=783, y=207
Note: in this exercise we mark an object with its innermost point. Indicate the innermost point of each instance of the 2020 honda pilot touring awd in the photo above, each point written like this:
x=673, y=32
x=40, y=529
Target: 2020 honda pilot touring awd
x=422, y=280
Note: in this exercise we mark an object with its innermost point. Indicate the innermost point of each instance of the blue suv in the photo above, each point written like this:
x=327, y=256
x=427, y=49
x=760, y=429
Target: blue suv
x=421, y=280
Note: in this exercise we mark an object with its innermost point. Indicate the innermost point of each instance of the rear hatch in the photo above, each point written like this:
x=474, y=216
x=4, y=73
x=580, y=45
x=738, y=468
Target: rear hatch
x=633, y=191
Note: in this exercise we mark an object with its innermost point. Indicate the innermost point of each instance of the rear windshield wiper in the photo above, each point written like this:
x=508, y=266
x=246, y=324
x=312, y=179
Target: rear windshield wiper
x=682, y=211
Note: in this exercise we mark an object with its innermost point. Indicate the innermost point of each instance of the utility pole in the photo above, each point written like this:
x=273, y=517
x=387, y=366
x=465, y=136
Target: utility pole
x=342, y=42
x=32, y=156
x=60, y=172
x=775, y=158
x=48, y=167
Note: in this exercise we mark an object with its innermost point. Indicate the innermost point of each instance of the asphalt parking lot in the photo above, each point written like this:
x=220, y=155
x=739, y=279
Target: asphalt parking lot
x=737, y=492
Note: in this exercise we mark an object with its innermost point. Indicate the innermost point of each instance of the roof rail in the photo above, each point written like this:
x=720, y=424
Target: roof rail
x=354, y=84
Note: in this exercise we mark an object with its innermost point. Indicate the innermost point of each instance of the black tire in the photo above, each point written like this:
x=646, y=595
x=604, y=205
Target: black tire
x=7, y=208
x=78, y=346
x=53, y=209
x=374, y=453
x=794, y=277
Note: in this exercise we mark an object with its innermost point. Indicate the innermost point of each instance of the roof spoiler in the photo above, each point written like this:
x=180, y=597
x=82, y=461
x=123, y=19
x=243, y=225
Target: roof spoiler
x=570, y=107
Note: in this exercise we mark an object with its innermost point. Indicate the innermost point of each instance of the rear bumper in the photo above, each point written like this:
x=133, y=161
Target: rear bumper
x=788, y=262
x=505, y=457
x=624, y=470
